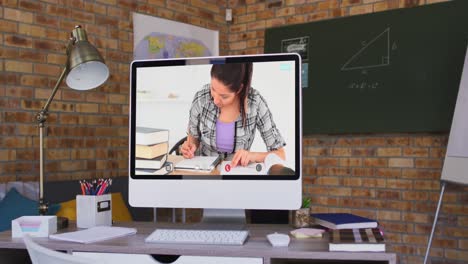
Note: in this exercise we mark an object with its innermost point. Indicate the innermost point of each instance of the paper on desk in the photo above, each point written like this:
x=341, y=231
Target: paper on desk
x=94, y=234
x=307, y=232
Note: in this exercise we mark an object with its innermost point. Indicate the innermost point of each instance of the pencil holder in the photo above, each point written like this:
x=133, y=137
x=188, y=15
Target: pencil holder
x=93, y=210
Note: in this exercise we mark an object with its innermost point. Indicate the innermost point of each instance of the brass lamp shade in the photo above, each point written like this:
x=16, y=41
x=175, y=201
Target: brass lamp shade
x=87, y=69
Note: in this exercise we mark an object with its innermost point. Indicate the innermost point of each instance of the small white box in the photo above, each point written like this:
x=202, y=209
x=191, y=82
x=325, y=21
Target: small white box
x=93, y=210
x=36, y=226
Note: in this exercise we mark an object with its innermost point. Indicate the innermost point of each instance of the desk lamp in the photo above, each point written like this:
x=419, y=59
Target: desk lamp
x=85, y=69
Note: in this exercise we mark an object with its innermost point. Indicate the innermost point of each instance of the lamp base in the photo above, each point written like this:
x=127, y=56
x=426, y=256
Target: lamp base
x=43, y=207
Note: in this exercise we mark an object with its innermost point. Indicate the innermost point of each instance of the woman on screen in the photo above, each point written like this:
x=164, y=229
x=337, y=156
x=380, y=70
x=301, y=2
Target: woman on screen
x=225, y=114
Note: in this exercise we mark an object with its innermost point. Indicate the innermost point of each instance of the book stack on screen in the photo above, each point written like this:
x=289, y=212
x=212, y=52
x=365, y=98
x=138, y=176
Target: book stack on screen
x=350, y=232
x=151, y=149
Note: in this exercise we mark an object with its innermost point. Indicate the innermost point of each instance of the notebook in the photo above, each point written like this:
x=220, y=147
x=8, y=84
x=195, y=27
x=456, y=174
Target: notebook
x=94, y=234
x=343, y=221
x=198, y=163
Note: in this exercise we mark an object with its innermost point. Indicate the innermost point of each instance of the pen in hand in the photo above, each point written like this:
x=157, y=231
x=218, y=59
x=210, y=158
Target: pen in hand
x=188, y=148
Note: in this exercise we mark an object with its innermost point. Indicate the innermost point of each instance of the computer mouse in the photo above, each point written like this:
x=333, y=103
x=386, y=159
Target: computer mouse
x=278, y=240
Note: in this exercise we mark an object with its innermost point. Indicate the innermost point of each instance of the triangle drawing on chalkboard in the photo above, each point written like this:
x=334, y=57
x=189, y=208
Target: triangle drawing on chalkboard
x=375, y=53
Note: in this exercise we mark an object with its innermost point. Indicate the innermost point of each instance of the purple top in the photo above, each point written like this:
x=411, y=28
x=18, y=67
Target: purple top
x=225, y=136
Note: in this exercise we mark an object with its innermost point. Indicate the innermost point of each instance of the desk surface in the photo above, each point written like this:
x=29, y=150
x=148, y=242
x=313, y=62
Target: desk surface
x=256, y=246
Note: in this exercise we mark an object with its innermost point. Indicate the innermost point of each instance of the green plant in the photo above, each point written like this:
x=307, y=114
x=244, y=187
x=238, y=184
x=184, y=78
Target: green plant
x=305, y=202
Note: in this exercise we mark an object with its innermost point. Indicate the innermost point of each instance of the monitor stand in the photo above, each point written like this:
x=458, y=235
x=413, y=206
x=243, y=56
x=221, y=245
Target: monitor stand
x=224, y=219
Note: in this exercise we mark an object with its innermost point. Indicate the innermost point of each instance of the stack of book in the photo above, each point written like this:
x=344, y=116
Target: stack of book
x=349, y=232
x=151, y=149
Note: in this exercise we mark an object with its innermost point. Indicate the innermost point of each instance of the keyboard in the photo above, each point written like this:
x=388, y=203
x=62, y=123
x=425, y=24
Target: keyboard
x=190, y=236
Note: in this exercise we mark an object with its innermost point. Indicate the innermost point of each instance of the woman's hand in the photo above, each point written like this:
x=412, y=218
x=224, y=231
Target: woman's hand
x=188, y=148
x=243, y=157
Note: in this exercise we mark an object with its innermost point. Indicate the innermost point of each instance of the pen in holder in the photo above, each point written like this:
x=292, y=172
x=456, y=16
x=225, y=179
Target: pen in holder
x=93, y=207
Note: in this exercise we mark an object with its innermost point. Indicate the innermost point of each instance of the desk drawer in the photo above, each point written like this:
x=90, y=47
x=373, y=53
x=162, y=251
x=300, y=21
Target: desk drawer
x=116, y=258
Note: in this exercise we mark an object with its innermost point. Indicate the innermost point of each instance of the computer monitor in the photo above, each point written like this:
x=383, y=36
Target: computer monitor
x=198, y=102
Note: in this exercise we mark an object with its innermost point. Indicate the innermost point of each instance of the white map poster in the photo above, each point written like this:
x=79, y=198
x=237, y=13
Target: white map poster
x=158, y=38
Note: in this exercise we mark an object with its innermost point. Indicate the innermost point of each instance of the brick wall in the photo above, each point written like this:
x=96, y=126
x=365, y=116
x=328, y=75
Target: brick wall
x=390, y=177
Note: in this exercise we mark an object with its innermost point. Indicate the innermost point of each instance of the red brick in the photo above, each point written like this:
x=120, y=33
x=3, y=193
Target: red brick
x=313, y=151
x=7, y=154
x=371, y=182
x=388, y=152
x=341, y=151
x=18, y=15
x=328, y=161
x=399, y=184
x=363, y=152
x=416, y=152
x=429, y=141
x=287, y=11
x=8, y=26
x=9, y=103
x=19, y=92
x=351, y=181
x=363, y=172
x=437, y=152
x=401, y=162
x=428, y=163
x=18, y=66
x=350, y=162
x=259, y=24
x=18, y=41
x=264, y=15
x=375, y=162
x=362, y=9
x=388, y=172
x=305, y=9
x=389, y=215
x=317, y=16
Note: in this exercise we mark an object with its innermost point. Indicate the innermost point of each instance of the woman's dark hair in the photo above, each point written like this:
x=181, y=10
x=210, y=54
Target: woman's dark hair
x=237, y=77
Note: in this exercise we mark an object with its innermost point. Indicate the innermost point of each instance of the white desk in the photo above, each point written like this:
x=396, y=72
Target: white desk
x=257, y=246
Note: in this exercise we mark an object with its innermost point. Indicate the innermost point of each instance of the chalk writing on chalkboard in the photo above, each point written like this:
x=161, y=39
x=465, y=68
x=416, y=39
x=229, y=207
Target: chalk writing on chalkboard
x=363, y=86
x=298, y=45
x=373, y=53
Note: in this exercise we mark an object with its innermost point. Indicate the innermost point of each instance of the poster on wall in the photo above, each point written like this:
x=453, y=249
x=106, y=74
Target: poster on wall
x=158, y=38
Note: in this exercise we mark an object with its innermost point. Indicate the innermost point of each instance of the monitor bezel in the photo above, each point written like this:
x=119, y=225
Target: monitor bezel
x=214, y=60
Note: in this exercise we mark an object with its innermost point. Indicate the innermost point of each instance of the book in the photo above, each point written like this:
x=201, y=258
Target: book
x=94, y=234
x=364, y=239
x=198, y=163
x=155, y=163
x=151, y=151
x=150, y=136
x=343, y=221
x=165, y=169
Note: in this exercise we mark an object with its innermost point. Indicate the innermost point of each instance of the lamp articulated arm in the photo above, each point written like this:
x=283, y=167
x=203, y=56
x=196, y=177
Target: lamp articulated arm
x=41, y=118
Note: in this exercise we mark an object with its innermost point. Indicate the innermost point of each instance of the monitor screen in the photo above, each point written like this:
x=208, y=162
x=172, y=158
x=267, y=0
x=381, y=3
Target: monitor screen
x=216, y=132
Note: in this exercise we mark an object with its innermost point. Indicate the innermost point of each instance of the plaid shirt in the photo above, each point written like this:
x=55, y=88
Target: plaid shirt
x=204, y=114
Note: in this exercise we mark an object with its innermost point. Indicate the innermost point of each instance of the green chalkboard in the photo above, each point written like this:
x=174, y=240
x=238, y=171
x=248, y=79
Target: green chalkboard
x=392, y=71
